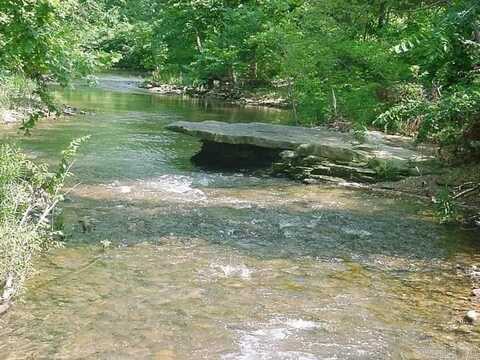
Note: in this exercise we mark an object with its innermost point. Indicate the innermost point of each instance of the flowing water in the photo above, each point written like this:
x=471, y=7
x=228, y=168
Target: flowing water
x=208, y=265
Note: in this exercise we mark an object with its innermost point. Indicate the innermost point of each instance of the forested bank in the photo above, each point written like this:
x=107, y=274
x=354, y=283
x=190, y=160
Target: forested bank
x=408, y=67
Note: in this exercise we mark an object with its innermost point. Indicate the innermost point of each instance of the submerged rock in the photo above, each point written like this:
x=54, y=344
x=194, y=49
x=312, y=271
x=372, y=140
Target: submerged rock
x=308, y=153
x=86, y=224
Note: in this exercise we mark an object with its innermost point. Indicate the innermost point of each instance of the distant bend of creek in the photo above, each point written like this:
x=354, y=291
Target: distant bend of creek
x=222, y=265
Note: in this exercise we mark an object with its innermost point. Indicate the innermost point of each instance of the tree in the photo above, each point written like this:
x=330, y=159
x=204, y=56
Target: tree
x=50, y=38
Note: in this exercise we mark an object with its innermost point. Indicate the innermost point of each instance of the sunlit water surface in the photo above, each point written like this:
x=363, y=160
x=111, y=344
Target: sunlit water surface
x=208, y=265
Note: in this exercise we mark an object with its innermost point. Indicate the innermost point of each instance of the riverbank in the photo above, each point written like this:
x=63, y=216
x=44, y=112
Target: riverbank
x=22, y=115
x=21, y=103
x=271, y=97
x=457, y=184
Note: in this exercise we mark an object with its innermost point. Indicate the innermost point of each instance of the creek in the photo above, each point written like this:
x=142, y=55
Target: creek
x=226, y=265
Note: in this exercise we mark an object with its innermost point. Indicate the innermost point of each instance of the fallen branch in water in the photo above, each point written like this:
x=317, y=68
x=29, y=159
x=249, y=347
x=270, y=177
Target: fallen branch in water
x=467, y=192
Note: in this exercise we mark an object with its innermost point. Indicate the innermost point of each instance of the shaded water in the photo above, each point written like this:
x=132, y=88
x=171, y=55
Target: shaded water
x=205, y=265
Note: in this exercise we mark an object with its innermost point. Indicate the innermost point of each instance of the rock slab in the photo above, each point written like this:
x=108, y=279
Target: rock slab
x=318, y=151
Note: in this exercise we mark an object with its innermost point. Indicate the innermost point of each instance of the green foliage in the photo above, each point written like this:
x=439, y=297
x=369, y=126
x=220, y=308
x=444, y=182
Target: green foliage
x=444, y=42
x=132, y=43
x=328, y=53
x=20, y=100
x=51, y=39
x=29, y=194
x=63, y=171
x=441, y=100
x=447, y=119
x=45, y=41
x=20, y=194
x=406, y=115
x=233, y=41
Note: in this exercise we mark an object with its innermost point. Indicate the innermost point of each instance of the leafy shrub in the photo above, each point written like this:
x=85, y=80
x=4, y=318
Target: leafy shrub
x=29, y=194
x=405, y=115
x=447, y=120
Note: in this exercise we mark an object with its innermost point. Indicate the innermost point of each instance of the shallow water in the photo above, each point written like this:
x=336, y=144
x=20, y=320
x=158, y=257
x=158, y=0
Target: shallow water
x=207, y=265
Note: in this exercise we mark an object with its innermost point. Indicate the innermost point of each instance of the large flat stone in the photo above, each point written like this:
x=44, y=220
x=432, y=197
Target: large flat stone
x=280, y=137
x=394, y=151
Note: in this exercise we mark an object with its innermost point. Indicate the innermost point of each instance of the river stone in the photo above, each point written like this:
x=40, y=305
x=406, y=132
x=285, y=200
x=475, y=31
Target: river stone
x=327, y=168
x=472, y=317
x=327, y=179
x=4, y=307
x=280, y=167
x=287, y=155
x=309, y=181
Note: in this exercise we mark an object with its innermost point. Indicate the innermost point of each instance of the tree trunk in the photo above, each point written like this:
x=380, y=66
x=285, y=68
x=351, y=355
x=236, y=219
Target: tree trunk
x=382, y=15
x=199, y=42
x=292, y=100
x=334, y=104
x=254, y=71
x=476, y=33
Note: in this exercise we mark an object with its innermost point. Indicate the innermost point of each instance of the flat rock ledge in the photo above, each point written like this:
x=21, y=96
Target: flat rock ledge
x=311, y=155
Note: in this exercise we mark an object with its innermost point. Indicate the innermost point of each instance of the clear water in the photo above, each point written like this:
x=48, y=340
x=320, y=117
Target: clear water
x=207, y=265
